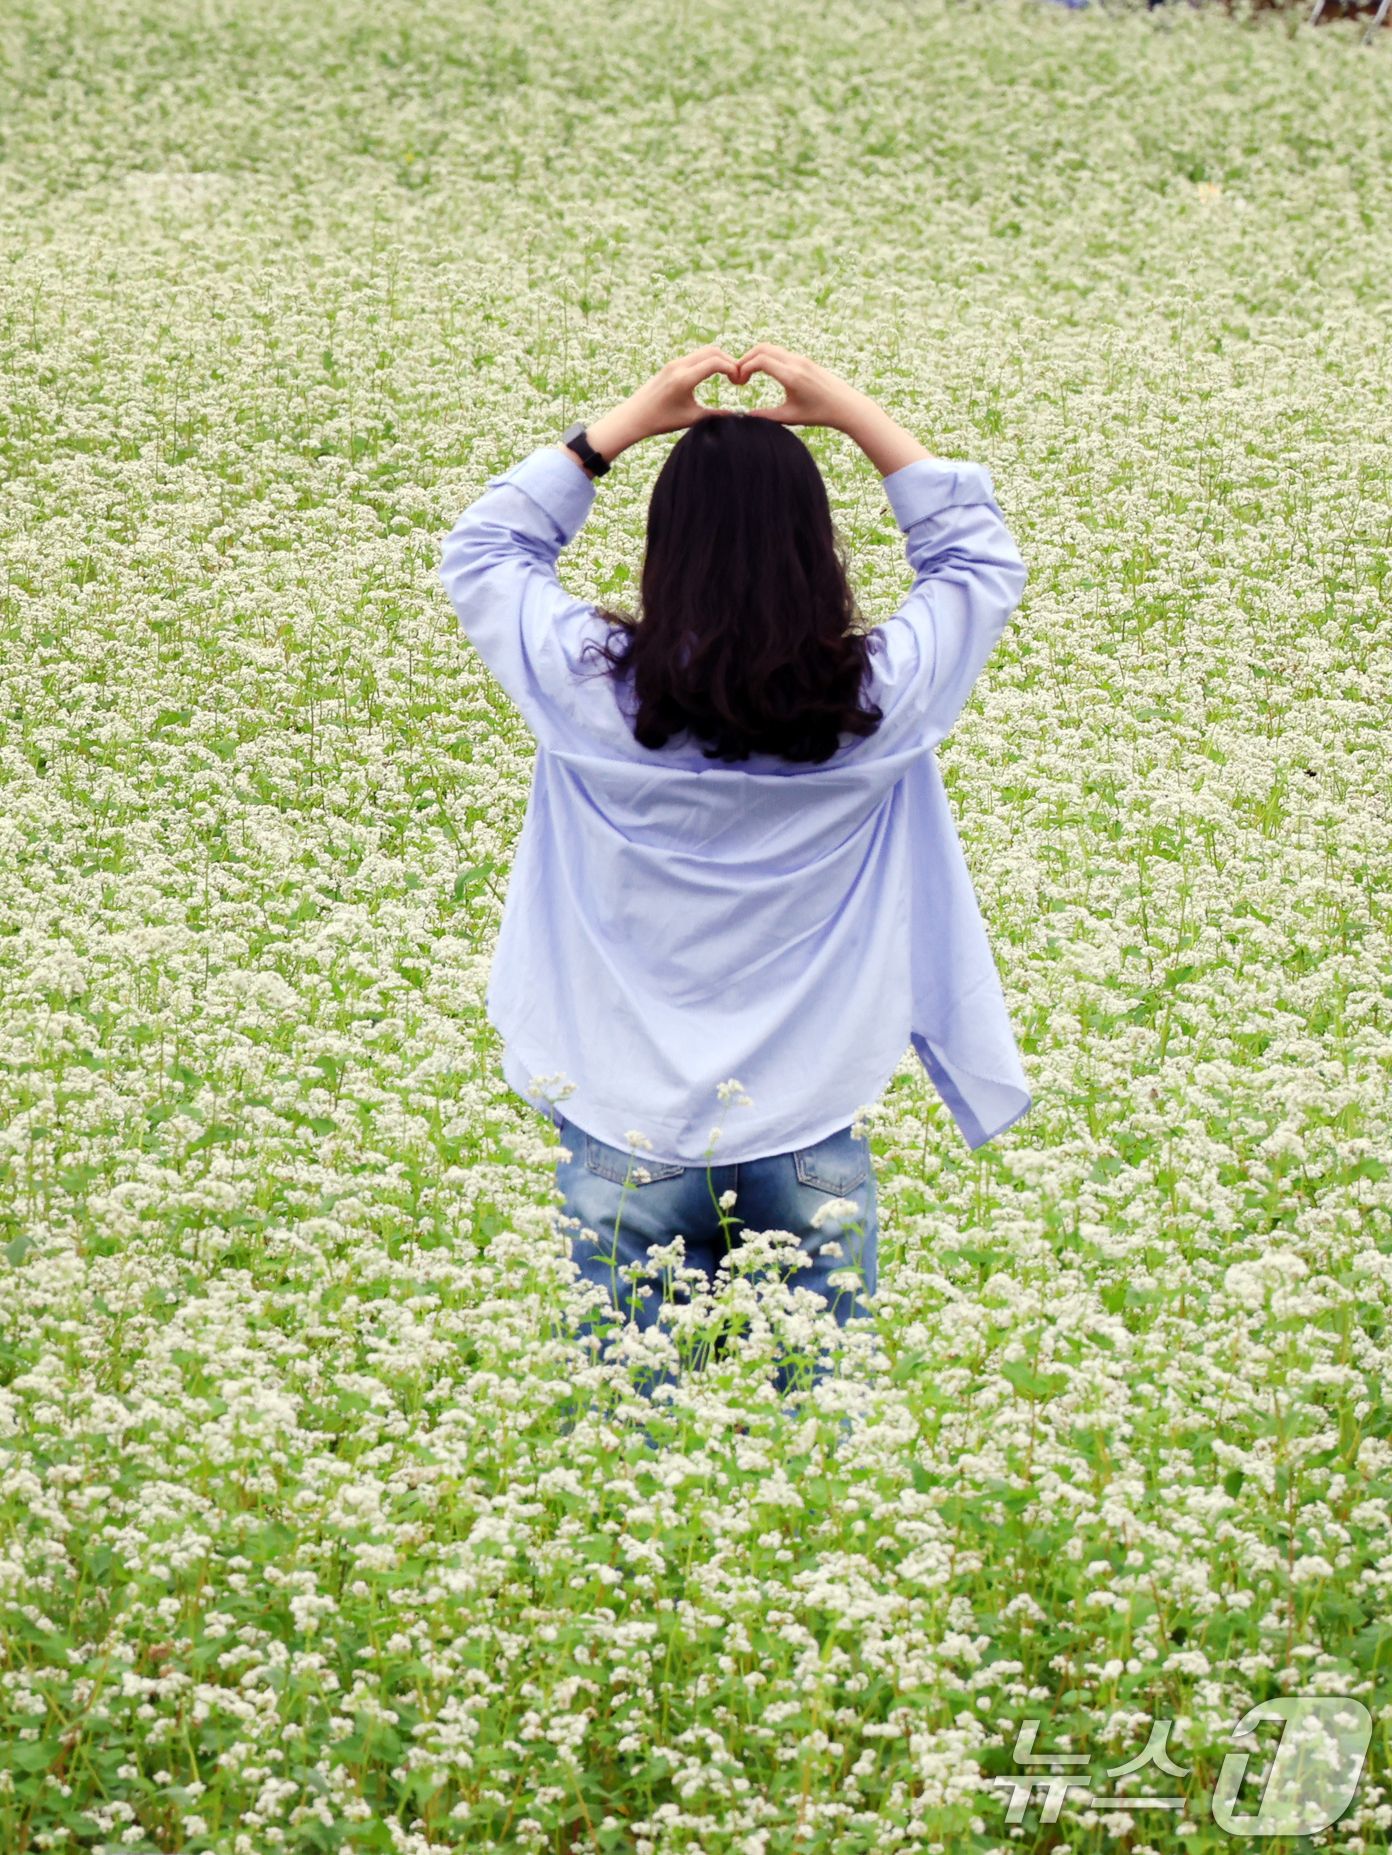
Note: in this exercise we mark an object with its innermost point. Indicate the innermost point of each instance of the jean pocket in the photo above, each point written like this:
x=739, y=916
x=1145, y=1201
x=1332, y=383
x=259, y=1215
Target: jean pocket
x=626, y=1168
x=839, y=1164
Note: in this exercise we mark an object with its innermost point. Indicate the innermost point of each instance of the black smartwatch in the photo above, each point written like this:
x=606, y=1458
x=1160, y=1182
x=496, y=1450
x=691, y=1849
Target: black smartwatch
x=574, y=439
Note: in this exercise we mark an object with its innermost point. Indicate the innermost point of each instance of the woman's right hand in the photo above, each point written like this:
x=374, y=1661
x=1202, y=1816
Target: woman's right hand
x=816, y=396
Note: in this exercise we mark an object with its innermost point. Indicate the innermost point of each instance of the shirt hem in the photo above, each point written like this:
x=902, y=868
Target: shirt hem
x=593, y=1118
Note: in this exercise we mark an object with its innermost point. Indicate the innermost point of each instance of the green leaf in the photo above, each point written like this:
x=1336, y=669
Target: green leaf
x=212, y=1136
x=981, y=1259
x=35, y=1755
x=469, y=881
x=1337, y=1616
x=1372, y=1647
x=1034, y=1385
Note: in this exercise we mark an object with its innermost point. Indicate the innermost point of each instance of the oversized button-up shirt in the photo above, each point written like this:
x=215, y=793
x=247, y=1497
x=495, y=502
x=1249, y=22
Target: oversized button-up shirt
x=673, y=923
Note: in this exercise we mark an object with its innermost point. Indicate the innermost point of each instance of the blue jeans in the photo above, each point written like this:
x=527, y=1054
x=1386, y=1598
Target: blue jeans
x=630, y=1203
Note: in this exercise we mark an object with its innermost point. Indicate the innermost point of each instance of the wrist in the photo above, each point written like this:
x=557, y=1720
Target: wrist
x=883, y=440
x=858, y=416
x=614, y=432
x=854, y=405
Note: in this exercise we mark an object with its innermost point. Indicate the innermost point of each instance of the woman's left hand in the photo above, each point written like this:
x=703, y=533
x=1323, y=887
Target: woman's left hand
x=666, y=403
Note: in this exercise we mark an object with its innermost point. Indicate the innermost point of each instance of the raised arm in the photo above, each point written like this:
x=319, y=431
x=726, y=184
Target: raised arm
x=499, y=562
x=968, y=574
x=968, y=578
x=666, y=403
x=499, y=568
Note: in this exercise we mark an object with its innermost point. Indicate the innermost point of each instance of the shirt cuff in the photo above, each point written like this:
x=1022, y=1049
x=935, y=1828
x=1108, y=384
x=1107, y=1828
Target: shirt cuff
x=931, y=484
x=556, y=485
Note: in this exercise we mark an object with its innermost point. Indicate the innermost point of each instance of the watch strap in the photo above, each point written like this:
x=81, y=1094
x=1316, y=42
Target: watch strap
x=575, y=439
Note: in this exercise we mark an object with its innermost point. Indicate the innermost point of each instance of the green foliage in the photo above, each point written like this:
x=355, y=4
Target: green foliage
x=320, y=1526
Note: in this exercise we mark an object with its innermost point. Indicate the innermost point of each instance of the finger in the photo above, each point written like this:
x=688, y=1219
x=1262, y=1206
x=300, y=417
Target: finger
x=778, y=375
x=766, y=351
x=706, y=362
x=777, y=363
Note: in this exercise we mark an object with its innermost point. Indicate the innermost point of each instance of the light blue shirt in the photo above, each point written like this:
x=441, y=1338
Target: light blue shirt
x=673, y=923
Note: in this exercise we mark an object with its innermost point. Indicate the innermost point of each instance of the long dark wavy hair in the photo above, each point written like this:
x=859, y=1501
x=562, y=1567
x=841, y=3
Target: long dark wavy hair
x=746, y=636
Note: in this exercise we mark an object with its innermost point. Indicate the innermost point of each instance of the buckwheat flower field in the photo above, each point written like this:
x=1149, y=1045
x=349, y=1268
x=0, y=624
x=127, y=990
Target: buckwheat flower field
x=320, y=1527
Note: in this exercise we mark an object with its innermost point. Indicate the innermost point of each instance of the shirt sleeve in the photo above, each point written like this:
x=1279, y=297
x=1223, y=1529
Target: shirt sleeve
x=968, y=578
x=499, y=569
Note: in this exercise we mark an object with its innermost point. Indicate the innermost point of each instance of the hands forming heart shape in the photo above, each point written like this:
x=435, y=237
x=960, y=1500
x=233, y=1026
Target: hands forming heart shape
x=813, y=395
